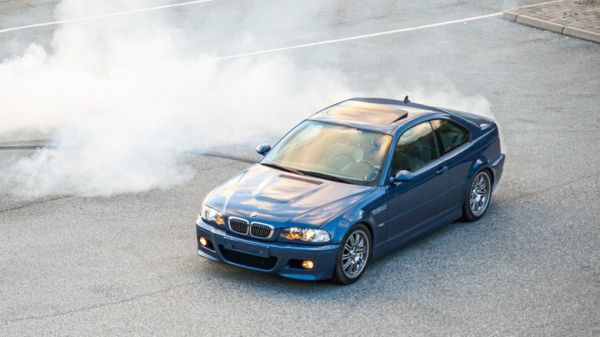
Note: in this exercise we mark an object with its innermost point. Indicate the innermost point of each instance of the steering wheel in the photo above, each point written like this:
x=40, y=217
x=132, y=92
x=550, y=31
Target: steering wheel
x=341, y=160
x=362, y=168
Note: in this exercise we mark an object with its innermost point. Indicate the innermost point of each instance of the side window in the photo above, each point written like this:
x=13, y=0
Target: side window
x=416, y=148
x=450, y=134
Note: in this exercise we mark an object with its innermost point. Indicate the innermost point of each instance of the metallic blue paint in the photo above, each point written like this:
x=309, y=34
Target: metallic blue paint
x=323, y=256
x=395, y=212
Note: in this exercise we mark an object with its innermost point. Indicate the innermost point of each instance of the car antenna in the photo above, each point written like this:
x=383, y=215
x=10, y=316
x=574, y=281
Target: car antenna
x=406, y=100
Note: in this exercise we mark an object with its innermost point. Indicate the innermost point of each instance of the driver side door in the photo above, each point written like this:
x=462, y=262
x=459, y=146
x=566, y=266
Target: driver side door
x=414, y=203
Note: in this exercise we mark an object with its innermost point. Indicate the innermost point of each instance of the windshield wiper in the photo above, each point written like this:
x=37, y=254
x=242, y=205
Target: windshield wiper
x=326, y=176
x=307, y=173
x=283, y=168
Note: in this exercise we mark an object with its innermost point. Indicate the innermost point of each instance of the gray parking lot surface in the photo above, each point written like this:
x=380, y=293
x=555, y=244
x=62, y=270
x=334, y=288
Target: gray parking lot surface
x=127, y=264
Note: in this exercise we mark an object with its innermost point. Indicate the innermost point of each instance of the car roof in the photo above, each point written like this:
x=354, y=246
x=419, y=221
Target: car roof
x=377, y=114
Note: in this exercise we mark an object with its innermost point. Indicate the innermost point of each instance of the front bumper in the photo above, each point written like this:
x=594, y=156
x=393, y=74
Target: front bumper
x=266, y=256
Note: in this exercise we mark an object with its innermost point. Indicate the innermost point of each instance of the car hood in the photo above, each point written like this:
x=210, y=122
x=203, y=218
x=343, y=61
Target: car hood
x=266, y=194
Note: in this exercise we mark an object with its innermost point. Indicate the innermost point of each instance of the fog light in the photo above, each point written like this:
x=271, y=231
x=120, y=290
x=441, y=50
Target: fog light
x=308, y=264
x=202, y=241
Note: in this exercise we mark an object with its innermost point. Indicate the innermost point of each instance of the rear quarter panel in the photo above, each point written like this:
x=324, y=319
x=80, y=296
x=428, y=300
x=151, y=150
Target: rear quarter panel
x=486, y=150
x=479, y=153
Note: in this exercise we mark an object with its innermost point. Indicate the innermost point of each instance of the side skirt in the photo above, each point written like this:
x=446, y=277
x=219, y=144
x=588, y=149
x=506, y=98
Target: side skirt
x=418, y=232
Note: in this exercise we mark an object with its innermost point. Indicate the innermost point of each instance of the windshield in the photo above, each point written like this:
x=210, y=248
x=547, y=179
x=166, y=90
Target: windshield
x=331, y=151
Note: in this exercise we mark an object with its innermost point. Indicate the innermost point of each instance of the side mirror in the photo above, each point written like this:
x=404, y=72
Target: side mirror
x=263, y=149
x=402, y=177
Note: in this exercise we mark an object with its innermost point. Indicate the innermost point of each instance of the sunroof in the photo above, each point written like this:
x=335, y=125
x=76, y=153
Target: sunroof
x=367, y=112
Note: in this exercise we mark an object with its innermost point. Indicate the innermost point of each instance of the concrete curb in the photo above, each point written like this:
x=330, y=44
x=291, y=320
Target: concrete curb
x=508, y=15
x=514, y=16
x=581, y=34
x=539, y=23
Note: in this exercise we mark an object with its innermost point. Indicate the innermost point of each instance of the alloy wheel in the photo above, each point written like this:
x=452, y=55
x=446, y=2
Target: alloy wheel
x=480, y=194
x=355, y=254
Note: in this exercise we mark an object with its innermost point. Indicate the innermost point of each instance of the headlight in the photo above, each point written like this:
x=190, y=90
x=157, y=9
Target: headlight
x=212, y=215
x=305, y=234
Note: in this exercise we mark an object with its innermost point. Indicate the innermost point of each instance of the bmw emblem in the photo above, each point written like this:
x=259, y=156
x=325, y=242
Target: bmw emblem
x=253, y=214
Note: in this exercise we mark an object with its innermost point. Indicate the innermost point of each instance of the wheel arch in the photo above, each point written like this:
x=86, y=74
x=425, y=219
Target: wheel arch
x=479, y=165
x=370, y=229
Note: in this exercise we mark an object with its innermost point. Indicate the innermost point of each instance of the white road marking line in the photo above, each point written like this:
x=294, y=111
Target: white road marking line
x=357, y=37
x=102, y=16
x=180, y=4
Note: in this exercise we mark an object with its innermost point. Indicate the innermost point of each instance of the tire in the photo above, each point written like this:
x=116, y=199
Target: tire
x=479, y=196
x=352, y=256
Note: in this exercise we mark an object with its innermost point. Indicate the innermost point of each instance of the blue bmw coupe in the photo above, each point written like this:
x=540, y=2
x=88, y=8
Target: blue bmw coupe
x=351, y=183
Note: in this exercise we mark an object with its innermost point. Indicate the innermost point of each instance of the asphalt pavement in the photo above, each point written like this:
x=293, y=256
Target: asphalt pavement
x=127, y=264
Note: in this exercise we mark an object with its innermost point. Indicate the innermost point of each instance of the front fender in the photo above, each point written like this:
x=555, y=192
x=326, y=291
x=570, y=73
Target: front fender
x=371, y=211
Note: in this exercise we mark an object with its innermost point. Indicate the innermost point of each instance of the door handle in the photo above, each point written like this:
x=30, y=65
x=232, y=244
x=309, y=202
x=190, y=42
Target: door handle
x=441, y=170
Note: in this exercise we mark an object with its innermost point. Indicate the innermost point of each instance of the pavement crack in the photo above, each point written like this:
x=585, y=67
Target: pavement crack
x=37, y=202
x=228, y=156
x=97, y=306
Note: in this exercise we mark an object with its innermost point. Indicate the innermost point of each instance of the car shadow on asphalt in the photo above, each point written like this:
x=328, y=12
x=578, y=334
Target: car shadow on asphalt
x=418, y=266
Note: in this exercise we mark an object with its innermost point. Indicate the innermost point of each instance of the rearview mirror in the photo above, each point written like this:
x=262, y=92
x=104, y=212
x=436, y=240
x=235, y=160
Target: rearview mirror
x=402, y=176
x=263, y=149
